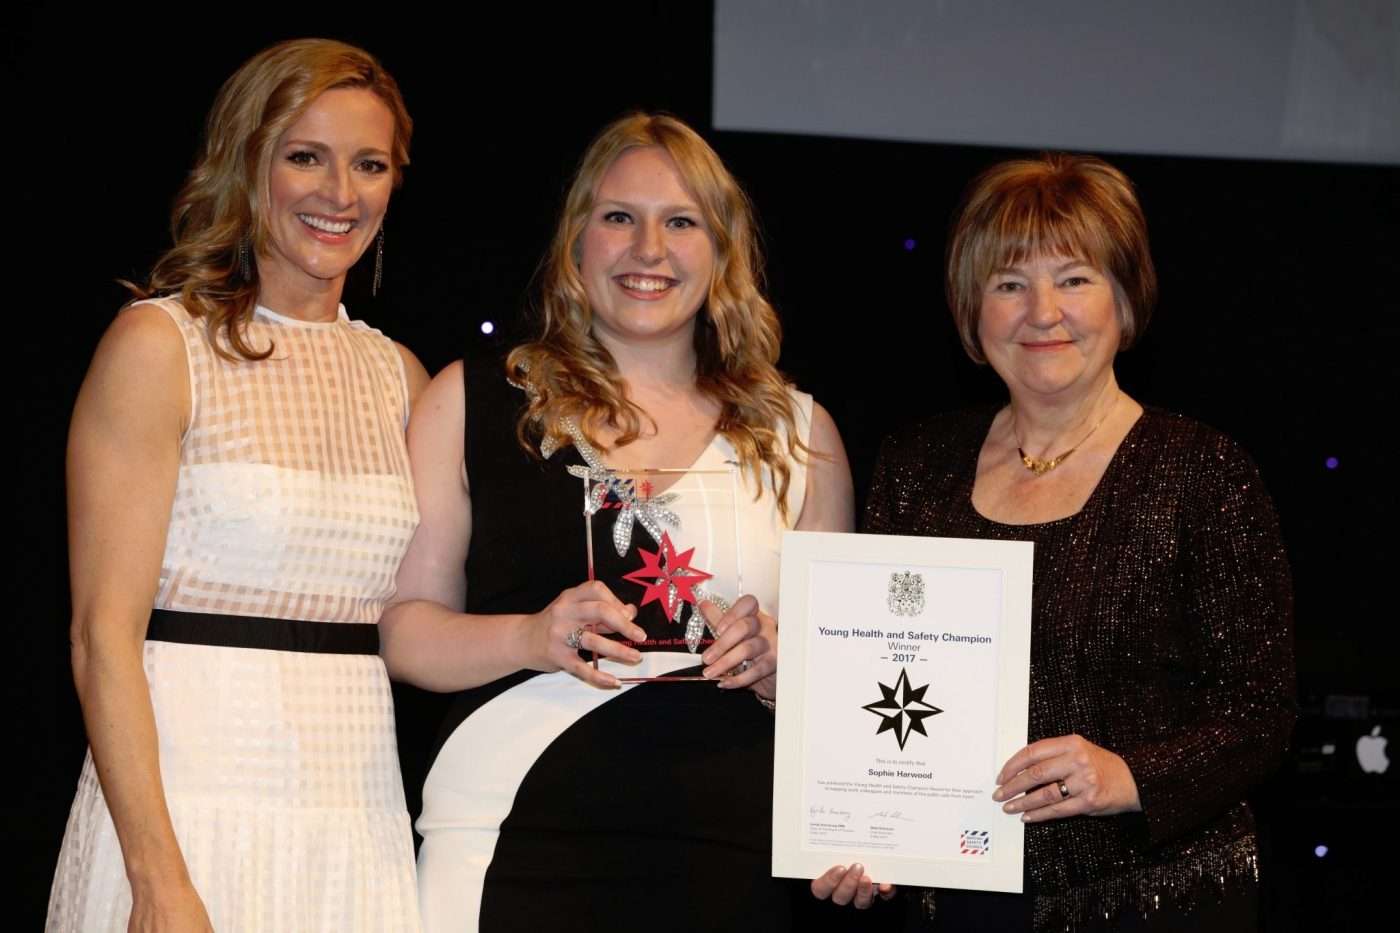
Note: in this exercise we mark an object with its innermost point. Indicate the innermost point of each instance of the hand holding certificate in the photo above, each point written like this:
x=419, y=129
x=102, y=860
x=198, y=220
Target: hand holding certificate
x=905, y=672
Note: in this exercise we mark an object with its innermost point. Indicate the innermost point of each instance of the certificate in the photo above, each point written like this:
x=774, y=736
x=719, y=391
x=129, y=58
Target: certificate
x=904, y=674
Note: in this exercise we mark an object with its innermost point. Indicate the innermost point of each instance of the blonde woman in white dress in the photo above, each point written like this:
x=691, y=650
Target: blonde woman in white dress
x=237, y=462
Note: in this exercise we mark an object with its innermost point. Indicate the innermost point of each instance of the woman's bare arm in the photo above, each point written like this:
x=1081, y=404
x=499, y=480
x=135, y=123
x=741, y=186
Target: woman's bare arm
x=123, y=463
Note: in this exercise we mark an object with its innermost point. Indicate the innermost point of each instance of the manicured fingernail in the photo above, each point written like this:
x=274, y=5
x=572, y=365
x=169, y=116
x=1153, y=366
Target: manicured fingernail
x=996, y=795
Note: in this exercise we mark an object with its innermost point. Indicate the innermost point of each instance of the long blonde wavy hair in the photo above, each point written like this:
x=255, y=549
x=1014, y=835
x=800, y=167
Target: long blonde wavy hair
x=570, y=374
x=220, y=208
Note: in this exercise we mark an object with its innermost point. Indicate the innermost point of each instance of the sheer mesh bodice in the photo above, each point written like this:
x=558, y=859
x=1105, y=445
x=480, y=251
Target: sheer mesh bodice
x=294, y=498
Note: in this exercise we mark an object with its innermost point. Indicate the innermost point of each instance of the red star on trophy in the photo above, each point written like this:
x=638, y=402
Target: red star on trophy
x=667, y=577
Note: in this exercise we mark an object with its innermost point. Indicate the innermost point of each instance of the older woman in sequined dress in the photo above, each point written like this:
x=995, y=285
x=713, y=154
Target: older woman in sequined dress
x=1161, y=668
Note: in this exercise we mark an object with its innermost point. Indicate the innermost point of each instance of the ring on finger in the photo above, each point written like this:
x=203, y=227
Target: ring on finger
x=738, y=669
x=575, y=638
x=1064, y=790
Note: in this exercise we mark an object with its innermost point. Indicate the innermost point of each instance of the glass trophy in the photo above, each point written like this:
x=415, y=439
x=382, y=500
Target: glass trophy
x=665, y=540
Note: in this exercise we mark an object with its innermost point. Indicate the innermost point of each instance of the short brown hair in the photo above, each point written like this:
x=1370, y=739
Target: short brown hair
x=1057, y=204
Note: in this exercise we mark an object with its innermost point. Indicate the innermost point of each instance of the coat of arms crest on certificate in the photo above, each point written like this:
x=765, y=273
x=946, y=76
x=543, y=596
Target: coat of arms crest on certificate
x=906, y=594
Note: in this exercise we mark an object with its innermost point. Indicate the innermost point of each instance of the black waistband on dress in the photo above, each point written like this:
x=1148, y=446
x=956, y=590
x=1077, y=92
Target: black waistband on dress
x=231, y=631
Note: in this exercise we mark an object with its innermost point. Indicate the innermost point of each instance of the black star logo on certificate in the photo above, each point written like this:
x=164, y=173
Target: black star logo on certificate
x=902, y=709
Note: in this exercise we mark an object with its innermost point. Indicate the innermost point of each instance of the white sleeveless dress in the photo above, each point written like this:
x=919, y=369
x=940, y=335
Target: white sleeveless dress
x=294, y=501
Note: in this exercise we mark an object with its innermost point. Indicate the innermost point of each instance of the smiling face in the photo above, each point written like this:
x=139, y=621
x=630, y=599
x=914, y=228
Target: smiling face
x=1050, y=325
x=646, y=257
x=327, y=190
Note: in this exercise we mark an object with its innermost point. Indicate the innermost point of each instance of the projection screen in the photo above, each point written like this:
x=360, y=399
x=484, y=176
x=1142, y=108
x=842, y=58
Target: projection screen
x=1254, y=79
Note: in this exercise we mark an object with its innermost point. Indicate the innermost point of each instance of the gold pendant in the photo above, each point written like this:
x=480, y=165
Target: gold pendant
x=1041, y=467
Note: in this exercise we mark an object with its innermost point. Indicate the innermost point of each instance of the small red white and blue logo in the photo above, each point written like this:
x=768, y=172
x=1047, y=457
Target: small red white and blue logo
x=975, y=842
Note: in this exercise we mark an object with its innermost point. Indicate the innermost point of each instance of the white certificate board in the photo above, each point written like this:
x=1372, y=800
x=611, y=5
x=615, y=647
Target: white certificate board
x=903, y=687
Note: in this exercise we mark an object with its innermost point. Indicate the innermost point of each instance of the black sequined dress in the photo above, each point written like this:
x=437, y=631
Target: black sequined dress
x=1161, y=630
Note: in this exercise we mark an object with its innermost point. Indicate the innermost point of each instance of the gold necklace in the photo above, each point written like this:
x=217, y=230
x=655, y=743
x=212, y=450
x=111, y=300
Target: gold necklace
x=1040, y=467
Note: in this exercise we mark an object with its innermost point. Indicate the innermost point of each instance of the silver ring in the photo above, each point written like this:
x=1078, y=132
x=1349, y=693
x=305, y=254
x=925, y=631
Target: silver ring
x=1064, y=790
x=574, y=638
x=743, y=666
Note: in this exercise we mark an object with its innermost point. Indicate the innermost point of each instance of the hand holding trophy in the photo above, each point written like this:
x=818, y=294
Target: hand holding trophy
x=578, y=618
x=687, y=555
x=745, y=651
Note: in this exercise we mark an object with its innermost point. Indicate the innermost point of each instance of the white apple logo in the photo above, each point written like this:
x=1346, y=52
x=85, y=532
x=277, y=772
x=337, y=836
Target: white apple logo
x=1370, y=752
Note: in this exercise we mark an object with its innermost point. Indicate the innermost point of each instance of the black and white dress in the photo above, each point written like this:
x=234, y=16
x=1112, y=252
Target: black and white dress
x=550, y=801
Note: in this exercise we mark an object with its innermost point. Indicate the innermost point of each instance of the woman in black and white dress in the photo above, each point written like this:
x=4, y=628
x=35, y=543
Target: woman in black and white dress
x=555, y=797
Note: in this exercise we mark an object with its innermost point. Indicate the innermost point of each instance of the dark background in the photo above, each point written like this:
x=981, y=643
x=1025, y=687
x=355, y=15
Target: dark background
x=1279, y=323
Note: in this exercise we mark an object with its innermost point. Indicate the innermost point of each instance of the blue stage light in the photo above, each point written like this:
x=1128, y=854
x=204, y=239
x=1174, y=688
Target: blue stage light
x=1320, y=851
x=1331, y=463
x=909, y=245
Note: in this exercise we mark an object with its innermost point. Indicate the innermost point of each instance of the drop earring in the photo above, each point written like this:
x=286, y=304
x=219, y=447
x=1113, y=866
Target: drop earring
x=245, y=266
x=378, y=262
